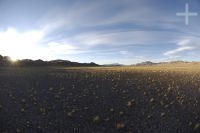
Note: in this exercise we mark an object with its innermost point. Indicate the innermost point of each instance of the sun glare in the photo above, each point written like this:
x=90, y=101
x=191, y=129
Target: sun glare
x=13, y=60
x=19, y=45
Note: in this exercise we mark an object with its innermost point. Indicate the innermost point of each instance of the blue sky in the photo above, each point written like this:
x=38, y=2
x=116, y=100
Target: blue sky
x=101, y=31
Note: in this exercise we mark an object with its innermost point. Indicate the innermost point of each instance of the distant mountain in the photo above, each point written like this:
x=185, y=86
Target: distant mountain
x=146, y=63
x=113, y=64
x=6, y=61
x=149, y=63
x=175, y=62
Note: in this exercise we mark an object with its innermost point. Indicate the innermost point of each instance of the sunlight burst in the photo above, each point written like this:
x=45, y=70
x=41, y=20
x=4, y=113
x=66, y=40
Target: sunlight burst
x=19, y=45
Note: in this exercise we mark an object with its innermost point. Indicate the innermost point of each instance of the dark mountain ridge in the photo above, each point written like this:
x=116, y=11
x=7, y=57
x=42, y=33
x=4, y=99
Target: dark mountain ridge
x=6, y=61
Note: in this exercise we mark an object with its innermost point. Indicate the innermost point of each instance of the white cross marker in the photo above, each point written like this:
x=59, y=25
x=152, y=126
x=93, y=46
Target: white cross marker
x=186, y=14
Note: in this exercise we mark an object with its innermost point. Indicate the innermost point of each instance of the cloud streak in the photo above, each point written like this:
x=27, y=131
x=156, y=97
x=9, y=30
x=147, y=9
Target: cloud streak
x=183, y=47
x=99, y=29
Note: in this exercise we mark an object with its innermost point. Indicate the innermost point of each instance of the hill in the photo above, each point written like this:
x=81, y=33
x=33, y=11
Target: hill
x=6, y=61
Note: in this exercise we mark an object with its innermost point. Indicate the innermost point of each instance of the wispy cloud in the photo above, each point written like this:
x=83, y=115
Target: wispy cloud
x=183, y=47
x=114, y=30
x=20, y=45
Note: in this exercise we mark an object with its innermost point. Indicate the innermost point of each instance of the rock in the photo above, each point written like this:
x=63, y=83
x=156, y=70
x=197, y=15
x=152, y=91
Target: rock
x=120, y=126
x=96, y=119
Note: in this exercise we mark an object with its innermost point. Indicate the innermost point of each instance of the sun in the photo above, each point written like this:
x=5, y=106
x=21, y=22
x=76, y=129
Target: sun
x=19, y=45
x=13, y=60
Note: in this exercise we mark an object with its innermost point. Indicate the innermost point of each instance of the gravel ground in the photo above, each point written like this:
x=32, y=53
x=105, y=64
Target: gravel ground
x=99, y=100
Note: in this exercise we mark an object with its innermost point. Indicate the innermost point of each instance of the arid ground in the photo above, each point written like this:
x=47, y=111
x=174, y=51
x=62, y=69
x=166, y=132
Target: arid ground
x=151, y=99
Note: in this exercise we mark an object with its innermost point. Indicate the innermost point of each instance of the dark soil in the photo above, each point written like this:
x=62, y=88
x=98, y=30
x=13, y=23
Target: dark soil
x=49, y=100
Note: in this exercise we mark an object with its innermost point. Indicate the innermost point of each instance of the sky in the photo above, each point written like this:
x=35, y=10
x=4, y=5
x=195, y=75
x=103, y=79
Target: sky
x=100, y=31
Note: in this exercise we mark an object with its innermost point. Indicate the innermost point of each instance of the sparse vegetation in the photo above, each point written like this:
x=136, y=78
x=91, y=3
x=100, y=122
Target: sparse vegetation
x=120, y=99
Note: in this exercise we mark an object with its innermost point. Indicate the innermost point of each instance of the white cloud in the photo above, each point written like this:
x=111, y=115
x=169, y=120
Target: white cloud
x=183, y=46
x=56, y=48
x=184, y=42
x=30, y=45
x=78, y=14
x=178, y=50
x=123, y=52
x=17, y=44
x=116, y=38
